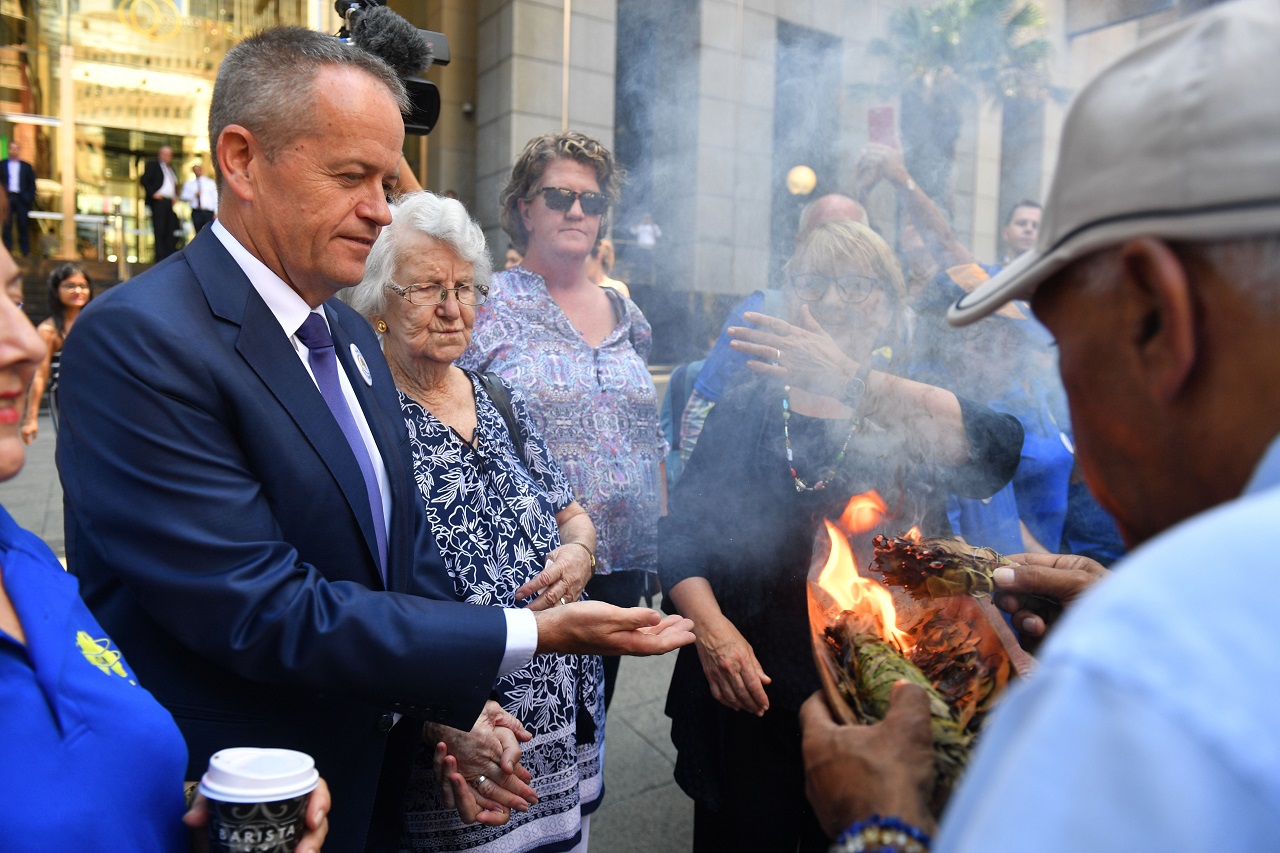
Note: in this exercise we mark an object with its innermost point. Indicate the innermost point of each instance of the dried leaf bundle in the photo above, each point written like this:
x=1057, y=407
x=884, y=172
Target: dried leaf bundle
x=867, y=669
x=937, y=568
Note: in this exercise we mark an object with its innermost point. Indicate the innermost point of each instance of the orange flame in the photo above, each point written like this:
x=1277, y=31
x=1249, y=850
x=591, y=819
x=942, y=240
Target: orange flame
x=850, y=591
x=913, y=534
x=862, y=513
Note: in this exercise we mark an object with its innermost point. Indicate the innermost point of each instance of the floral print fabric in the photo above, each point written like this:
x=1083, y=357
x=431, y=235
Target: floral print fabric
x=596, y=407
x=493, y=515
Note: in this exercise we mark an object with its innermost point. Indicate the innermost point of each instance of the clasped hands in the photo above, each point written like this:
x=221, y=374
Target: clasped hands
x=479, y=772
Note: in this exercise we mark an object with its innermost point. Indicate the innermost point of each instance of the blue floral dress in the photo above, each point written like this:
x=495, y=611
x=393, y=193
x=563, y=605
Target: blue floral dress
x=493, y=515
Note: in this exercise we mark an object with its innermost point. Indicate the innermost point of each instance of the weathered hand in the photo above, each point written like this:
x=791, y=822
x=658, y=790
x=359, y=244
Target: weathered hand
x=489, y=752
x=463, y=796
x=567, y=571
x=1039, y=587
x=852, y=772
x=317, y=819
x=737, y=680
x=804, y=355
x=596, y=628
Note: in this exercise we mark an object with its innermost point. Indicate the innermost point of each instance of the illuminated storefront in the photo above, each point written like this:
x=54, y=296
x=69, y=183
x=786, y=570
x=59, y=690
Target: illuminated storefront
x=129, y=76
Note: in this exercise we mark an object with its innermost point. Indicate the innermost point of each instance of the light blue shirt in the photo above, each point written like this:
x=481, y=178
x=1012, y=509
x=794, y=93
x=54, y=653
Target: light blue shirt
x=1153, y=722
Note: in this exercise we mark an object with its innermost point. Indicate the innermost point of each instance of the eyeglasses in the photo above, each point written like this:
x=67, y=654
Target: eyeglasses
x=852, y=287
x=435, y=294
x=561, y=199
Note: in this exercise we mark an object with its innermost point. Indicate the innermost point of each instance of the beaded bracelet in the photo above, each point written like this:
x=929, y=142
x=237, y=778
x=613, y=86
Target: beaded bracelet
x=882, y=835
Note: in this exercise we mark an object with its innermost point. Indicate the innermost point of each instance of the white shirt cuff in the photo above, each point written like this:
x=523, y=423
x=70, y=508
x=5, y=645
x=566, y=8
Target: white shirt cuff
x=522, y=640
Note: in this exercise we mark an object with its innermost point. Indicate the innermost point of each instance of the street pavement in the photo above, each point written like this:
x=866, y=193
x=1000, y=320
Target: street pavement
x=643, y=811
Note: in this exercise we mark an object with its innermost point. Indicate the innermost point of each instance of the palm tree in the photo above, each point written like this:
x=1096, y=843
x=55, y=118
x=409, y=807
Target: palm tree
x=944, y=59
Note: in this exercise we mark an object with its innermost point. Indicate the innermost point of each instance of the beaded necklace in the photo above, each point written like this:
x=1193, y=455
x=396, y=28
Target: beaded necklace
x=801, y=486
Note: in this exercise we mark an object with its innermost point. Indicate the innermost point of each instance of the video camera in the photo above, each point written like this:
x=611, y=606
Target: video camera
x=370, y=25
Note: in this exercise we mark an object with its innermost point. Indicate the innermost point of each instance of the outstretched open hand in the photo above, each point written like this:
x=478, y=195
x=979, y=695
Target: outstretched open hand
x=804, y=356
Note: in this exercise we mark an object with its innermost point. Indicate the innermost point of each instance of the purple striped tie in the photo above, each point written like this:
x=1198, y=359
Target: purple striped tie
x=314, y=334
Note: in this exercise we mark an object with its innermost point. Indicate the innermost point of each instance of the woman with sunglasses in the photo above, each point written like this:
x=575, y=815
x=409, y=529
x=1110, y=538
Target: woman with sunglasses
x=69, y=291
x=835, y=412
x=577, y=353
x=510, y=533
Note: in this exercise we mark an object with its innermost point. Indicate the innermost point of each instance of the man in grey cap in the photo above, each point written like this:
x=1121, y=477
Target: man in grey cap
x=1151, y=723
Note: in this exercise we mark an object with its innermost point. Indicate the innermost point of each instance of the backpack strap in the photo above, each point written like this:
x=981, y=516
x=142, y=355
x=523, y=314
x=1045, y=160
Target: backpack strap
x=501, y=399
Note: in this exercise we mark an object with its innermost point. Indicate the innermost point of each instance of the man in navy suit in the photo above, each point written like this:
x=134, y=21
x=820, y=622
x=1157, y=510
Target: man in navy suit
x=20, y=181
x=223, y=525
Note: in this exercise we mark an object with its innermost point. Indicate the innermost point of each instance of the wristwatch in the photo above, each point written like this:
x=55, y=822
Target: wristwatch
x=856, y=388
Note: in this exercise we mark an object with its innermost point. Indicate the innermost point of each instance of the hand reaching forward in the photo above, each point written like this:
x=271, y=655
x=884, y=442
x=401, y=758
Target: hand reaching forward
x=487, y=760
x=596, y=628
x=1039, y=587
x=853, y=772
x=737, y=680
x=804, y=355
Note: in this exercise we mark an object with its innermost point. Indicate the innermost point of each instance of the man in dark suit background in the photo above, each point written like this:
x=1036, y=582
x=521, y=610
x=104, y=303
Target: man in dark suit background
x=20, y=181
x=226, y=530
x=161, y=186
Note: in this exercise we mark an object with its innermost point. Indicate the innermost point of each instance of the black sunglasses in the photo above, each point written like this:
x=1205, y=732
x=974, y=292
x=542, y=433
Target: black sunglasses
x=561, y=200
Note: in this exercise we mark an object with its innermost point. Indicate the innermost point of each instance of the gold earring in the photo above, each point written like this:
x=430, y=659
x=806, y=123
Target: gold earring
x=381, y=326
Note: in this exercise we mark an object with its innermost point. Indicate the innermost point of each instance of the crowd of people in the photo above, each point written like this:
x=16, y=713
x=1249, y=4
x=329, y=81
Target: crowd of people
x=377, y=502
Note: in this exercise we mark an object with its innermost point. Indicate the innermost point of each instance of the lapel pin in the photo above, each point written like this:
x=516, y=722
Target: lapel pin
x=358, y=358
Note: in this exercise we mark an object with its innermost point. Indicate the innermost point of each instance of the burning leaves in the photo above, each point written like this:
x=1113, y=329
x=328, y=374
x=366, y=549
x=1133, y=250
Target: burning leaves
x=942, y=636
x=936, y=568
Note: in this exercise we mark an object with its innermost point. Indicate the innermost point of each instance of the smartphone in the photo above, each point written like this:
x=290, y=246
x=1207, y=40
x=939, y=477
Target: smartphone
x=880, y=126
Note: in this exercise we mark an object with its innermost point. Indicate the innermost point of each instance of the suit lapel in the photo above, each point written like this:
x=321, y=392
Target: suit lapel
x=266, y=349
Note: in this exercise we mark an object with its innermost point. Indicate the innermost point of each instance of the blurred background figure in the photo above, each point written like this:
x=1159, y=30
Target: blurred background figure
x=834, y=416
x=646, y=232
x=1021, y=228
x=600, y=267
x=201, y=194
x=161, y=186
x=512, y=258
x=69, y=291
x=20, y=182
x=578, y=354
x=505, y=521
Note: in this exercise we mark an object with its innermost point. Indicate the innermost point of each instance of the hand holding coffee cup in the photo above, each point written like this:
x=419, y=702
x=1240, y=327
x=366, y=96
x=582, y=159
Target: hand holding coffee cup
x=262, y=801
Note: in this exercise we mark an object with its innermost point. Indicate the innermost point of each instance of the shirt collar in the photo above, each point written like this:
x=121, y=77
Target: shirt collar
x=1267, y=474
x=285, y=304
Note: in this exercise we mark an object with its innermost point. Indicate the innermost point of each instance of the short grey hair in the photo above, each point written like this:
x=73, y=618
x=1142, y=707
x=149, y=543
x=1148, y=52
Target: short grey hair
x=266, y=83
x=444, y=220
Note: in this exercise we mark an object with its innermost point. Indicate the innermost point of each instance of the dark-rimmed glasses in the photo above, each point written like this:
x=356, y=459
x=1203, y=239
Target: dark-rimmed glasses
x=851, y=287
x=561, y=199
x=435, y=294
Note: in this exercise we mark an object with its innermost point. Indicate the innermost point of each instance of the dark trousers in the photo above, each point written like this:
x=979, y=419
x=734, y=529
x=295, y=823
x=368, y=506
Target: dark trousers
x=18, y=215
x=201, y=218
x=622, y=589
x=164, y=223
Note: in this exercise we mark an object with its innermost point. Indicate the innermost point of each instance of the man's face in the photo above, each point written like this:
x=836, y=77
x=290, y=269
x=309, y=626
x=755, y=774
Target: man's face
x=1117, y=435
x=1021, y=232
x=318, y=207
x=166, y=154
x=197, y=170
x=14, y=150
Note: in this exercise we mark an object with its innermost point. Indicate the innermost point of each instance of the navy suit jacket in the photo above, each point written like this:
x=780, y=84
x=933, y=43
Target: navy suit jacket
x=26, y=183
x=220, y=527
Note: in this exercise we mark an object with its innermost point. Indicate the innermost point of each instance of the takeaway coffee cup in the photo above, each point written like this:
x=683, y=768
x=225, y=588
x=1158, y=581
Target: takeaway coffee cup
x=258, y=799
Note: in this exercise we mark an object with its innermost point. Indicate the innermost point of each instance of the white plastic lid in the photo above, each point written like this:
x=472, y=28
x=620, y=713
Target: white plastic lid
x=250, y=774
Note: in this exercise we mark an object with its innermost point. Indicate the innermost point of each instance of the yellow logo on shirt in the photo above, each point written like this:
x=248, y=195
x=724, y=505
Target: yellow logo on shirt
x=100, y=654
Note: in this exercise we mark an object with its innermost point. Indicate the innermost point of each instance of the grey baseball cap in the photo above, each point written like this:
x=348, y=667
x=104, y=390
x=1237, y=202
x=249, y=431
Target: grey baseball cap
x=1178, y=139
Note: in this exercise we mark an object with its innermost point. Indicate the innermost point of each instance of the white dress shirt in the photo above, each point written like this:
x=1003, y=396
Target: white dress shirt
x=201, y=193
x=290, y=311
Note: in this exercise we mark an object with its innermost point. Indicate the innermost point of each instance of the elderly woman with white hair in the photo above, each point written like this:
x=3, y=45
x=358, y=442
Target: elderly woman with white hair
x=506, y=523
